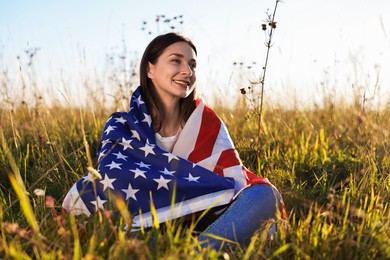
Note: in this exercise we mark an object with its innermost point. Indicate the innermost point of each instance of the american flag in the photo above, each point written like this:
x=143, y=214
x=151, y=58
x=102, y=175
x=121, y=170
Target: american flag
x=202, y=171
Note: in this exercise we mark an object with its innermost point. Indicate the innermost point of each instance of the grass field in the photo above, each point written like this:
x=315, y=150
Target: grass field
x=331, y=164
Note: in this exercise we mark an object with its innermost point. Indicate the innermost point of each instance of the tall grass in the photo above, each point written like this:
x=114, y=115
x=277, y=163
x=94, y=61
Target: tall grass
x=331, y=165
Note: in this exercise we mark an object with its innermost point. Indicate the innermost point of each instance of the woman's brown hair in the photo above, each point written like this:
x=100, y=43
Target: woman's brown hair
x=152, y=52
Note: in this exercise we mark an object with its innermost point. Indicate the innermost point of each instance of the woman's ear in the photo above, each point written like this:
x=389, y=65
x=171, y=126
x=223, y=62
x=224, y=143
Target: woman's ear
x=150, y=70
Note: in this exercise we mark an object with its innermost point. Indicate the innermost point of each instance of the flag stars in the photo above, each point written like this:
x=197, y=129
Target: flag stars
x=88, y=177
x=138, y=173
x=126, y=144
x=135, y=120
x=120, y=120
x=114, y=165
x=98, y=203
x=147, y=119
x=162, y=183
x=101, y=155
x=147, y=141
x=119, y=155
x=107, y=182
x=191, y=178
x=104, y=142
x=166, y=172
x=139, y=101
x=109, y=129
x=108, y=119
x=143, y=165
x=136, y=135
x=170, y=156
x=147, y=149
x=130, y=192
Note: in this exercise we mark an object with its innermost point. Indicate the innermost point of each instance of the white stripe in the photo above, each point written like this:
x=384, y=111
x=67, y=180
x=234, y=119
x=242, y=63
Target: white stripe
x=184, y=208
x=223, y=141
x=236, y=173
x=210, y=162
x=74, y=204
x=187, y=139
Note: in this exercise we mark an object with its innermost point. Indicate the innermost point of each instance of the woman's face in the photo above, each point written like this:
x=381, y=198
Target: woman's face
x=173, y=75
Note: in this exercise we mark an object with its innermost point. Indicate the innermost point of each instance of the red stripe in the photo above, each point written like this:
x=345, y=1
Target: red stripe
x=230, y=158
x=253, y=179
x=207, y=136
x=227, y=159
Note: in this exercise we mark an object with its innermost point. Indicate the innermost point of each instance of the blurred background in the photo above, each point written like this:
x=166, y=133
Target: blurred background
x=70, y=52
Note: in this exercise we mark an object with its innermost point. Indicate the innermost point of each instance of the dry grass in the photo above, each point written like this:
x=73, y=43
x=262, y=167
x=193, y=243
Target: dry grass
x=332, y=166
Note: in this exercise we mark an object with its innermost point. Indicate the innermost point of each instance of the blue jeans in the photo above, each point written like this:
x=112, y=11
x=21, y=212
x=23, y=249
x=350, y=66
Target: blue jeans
x=252, y=207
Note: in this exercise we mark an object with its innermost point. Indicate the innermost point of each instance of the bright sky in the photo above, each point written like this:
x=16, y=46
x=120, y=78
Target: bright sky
x=320, y=46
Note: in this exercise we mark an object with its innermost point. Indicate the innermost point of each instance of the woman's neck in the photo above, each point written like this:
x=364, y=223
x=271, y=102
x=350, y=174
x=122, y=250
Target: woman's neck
x=171, y=122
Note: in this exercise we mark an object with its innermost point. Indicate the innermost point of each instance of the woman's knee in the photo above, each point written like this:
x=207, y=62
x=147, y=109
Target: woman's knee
x=265, y=196
x=263, y=191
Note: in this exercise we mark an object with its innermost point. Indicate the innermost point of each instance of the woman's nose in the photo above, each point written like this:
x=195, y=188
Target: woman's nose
x=187, y=70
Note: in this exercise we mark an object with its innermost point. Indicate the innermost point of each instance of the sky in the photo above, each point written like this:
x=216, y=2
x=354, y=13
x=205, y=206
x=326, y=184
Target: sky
x=320, y=47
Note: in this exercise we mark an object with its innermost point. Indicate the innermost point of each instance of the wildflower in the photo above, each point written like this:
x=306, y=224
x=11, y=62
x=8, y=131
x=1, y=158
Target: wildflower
x=49, y=202
x=10, y=227
x=62, y=231
x=273, y=24
x=23, y=233
x=39, y=192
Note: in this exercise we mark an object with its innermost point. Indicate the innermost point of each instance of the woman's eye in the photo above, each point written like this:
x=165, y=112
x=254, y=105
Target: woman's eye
x=176, y=61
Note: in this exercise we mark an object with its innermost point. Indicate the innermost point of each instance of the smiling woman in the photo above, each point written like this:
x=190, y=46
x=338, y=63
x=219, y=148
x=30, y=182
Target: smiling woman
x=165, y=65
x=173, y=152
x=173, y=77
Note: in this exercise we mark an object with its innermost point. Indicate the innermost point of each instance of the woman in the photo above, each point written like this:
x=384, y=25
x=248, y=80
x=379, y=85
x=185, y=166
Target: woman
x=172, y=151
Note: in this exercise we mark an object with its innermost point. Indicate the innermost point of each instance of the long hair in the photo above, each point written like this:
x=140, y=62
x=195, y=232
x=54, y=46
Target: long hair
x=151, y=54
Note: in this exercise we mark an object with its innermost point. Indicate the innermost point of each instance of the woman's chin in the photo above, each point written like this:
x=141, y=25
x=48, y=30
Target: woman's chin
x=189, y=91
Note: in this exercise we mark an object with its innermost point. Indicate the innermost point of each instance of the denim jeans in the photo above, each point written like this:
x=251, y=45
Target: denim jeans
x=252, y=207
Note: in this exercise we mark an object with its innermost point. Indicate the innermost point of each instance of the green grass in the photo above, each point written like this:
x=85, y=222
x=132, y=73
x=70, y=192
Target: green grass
x=332, y=166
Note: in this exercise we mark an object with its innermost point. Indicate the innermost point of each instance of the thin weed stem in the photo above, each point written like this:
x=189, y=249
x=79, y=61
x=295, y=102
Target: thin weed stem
x=270, y=29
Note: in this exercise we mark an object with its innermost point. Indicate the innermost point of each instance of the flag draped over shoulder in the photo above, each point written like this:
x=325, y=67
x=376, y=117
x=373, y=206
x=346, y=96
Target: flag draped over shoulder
x=202, y=171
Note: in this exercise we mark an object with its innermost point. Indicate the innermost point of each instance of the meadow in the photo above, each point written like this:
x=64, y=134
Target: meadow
x=331, y=164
